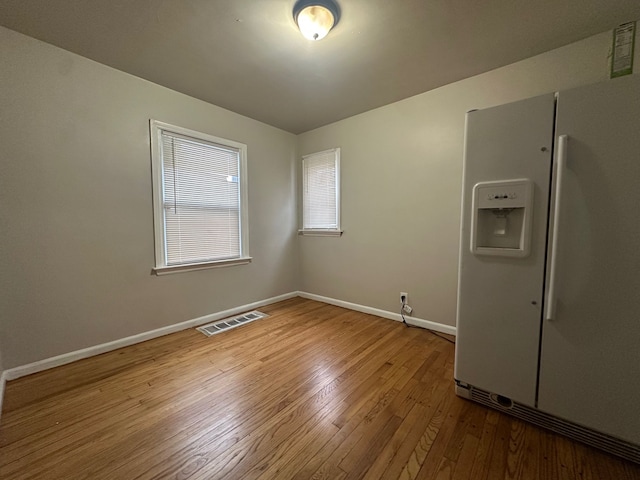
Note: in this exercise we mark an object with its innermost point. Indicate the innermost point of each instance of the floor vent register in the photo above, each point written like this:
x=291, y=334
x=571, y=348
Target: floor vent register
x=229, y=323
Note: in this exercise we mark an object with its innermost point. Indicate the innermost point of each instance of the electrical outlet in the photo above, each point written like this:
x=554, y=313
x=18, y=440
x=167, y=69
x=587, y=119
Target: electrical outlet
x=404, y=298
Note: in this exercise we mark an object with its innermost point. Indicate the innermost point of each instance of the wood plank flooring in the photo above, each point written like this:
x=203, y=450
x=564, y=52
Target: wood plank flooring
x=311, y=392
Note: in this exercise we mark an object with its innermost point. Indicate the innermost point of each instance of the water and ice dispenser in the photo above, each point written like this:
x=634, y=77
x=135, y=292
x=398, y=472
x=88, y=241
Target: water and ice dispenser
x=501, y=218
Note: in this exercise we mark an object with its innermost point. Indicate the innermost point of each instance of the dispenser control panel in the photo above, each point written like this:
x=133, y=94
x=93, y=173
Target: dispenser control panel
x=502, y=196
x=498, y=195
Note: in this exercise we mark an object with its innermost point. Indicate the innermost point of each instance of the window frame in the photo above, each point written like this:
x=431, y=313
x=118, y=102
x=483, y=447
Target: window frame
x=323, y=232
x=157, y=170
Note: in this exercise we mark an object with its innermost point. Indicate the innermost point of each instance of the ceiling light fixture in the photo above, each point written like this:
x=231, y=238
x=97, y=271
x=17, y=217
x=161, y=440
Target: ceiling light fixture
x=316, y=17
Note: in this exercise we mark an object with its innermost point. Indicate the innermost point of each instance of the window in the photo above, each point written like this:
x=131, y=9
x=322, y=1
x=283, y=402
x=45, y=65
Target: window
x=200, y=199
x=321, y=193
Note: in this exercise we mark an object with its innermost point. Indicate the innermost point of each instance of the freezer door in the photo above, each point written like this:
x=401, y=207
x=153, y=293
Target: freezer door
x=500, y=297
x=590, y=356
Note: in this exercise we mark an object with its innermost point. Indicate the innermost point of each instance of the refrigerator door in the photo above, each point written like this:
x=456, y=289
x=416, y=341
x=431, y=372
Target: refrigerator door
x=500, y=297
x=590, y=355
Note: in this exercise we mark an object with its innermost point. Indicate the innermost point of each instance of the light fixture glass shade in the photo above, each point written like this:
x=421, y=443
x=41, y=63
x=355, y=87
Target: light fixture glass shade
x=315, y=21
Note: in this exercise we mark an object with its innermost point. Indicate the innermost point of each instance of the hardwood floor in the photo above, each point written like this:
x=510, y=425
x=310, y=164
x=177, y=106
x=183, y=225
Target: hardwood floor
x=313, y=391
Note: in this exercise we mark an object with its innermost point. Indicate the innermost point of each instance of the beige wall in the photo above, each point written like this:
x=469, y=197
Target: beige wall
x=401, y=184
x=76, y=232
x=76, y=228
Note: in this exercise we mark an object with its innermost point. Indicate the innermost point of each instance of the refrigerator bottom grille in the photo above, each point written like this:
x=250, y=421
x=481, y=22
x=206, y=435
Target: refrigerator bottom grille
x=582, y=434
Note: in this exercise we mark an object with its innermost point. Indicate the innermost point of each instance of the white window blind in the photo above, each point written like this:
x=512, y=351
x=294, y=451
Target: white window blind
x=321, y=191
x=201, y=200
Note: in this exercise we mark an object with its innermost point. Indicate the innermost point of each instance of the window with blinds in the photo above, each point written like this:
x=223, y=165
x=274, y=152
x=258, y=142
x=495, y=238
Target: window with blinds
x=321, y=192
x=199, y=198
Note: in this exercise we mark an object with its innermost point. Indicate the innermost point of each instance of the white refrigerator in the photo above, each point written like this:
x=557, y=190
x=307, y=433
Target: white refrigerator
x=548, y=323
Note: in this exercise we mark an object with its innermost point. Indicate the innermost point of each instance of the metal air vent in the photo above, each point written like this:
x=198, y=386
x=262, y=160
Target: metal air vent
x=229, y=323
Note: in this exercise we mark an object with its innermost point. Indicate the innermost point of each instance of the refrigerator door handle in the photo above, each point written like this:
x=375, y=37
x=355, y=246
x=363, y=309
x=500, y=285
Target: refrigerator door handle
x=561, y=163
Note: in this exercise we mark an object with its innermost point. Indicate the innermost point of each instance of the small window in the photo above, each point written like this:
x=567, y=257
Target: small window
x=200, y=206
x=321, y=193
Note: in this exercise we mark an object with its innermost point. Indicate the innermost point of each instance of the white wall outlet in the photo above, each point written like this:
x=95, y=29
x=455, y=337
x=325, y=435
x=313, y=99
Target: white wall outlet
x=404, y=298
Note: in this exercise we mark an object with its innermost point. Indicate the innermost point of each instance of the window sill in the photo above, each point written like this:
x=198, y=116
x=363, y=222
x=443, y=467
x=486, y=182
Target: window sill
x=320, y=233
x=189, y=267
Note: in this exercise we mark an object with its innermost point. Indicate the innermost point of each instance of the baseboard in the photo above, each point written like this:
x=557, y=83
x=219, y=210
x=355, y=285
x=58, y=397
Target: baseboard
x=3, y=381
x=418, y=322
x=63, y=359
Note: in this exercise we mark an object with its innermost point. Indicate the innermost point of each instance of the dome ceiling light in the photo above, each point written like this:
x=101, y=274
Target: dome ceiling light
x=315, y=17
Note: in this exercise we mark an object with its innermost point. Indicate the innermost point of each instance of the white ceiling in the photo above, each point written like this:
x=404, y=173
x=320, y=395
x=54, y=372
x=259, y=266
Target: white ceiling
x=247, y=55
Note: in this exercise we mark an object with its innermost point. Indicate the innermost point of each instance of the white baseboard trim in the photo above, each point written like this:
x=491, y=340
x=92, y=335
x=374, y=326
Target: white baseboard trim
x=3, y=381
x=47, y=363
x=418, y=322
